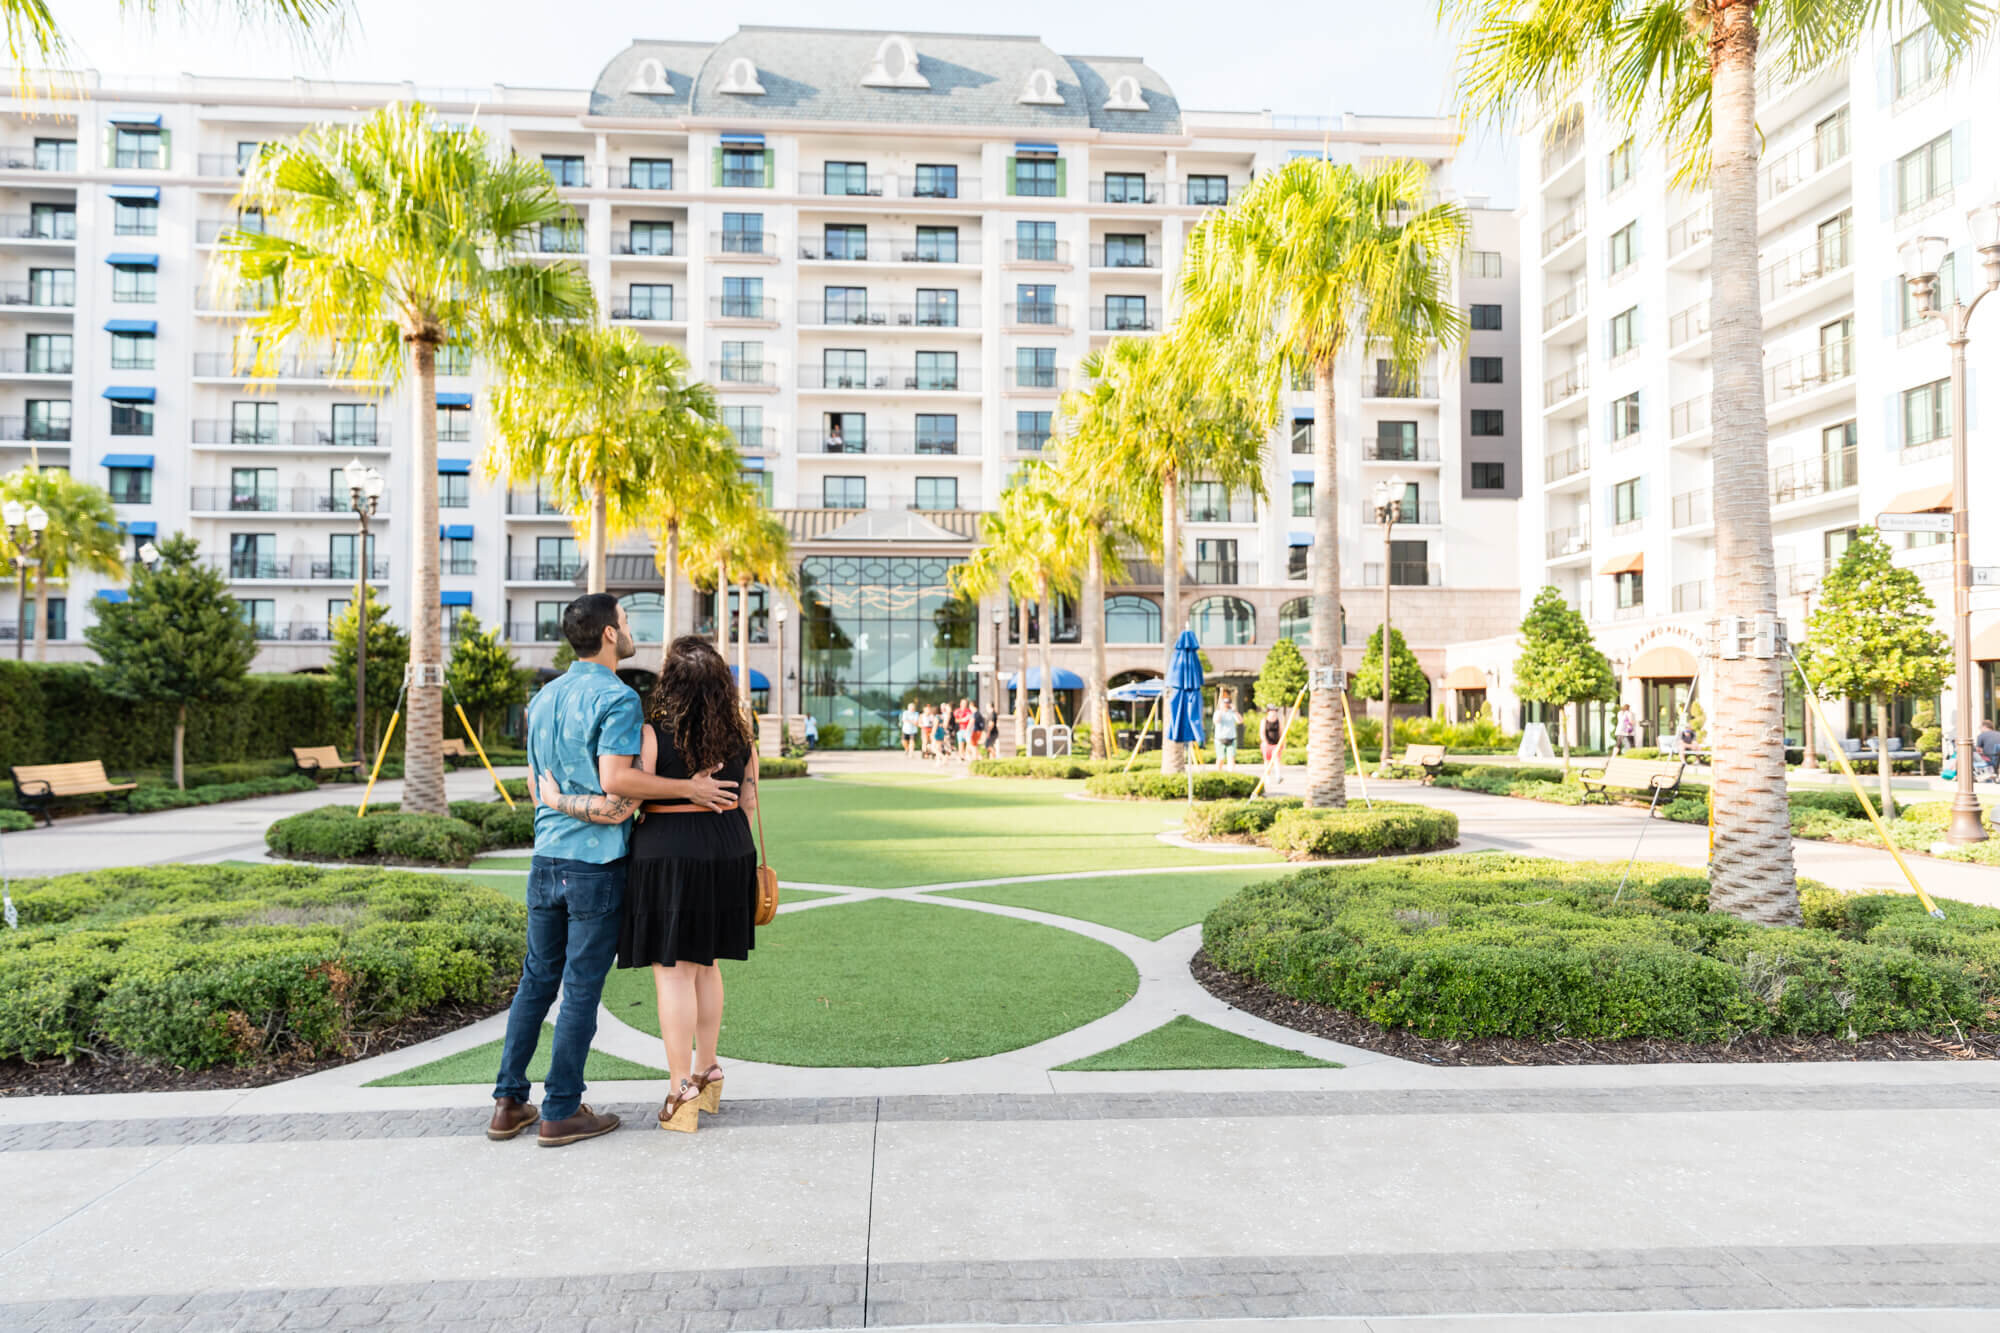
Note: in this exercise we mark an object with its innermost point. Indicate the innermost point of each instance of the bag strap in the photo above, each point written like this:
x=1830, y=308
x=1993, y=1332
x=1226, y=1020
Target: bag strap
x=762, y=859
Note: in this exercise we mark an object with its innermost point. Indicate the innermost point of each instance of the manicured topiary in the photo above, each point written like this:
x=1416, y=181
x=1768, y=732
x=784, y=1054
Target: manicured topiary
x=385, y=834
x=1152, y=785
x=772, y=767
x=1359, y=831
x=1069, y=768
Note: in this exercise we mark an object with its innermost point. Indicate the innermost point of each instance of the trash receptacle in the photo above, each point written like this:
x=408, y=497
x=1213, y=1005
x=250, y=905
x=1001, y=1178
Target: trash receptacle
x=1038, y=742
x=1059, y=741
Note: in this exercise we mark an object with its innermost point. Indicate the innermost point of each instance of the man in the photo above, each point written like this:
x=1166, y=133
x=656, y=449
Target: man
x=1227, y=721
x=1988, y=744
x=962, y=722
x=910, y=718
x=584, y=730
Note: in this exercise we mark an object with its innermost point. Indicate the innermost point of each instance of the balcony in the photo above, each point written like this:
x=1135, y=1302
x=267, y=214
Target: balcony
x=1560, y=152
x=1223, y=573
x=1109, y=191
x=1687, y=325
x=1124, y=256
x=1402, y=574
x=1207, y=193
x=1029, y=379
x=1688, y=417
x=544, y=631
x=207, y=231
x=20, y=361
x=223, y=366
x=744, y=244
x=554, y=569
x=752, y=374
x=1399, y=449
x=291, y=631
x=1837, y=470
x=532, y=504
x=1827, y=364
x=901, y=442
x=1565, y=542
x=1421, y=513
x=1690, y=231
x=1795, y=580
x=1636, y=611
x=37, y=432
x=59, y=227
x=1562, y=464
x=649, y=245
x=891, y=250
x=1027, y=441
x=956, y=185
x=459, y=564
x=856, y=185
x=886, y=315
x=891, y=379
x=552, y=240
x=1104, y=319
x=1562, y=231
x=1692, y=510
x=1230, y=509
x=1790, y=170
x=1832, y=253
x=655, y=310
x=1691, y=596
x=653, y=177
x=1036, y=252
x=273, y=500
x=296, y=568
x=1035, y=315
x=245, y=301
x=1391, y=386
x=220, y=166
x=39, y=295
x=1564, y=307
x=50, y=155
x=754, y=439
x=741, y=309
x=1558, y=388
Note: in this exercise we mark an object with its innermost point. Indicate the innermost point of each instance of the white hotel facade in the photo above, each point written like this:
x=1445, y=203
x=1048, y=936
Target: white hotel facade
x=1618, y=448
x=886, y=252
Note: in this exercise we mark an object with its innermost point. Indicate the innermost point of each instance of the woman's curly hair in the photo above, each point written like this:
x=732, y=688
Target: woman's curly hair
x=695, y=702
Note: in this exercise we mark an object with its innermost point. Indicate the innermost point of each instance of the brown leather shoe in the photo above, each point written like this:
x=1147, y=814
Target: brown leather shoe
x=511, y=1115
x=585, y=1124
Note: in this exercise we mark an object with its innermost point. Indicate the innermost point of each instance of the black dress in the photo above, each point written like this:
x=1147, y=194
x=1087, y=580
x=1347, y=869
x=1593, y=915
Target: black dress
x=691, y=885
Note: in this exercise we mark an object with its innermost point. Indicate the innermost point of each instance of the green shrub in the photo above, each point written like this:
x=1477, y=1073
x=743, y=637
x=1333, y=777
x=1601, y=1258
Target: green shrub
x=1495, y=946
x=1643, y=752
x=1070, y=767
x=1153, y=785
x=1359, y=831
x=768, y=767
x=1235, y=819
x=874, y=735
x=203, y=965
x=152, y=796
x=832, y=735
x=16, y=821
x=336, y=833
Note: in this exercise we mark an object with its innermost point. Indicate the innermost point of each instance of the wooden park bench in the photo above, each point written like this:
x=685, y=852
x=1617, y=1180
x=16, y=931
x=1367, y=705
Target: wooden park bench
x=1660, y=779
x=39, y=786
x=320, y=761
x=1430, y=758
x=455, y=751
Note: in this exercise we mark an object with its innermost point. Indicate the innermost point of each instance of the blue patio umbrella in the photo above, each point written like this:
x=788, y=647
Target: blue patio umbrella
x=1184, y=696
x=1138, y=691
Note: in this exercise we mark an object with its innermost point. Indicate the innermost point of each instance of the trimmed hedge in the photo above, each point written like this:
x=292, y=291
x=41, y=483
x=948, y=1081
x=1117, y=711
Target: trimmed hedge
x=1067, y=768
x=16, y=821
x=336, y=833
x=1285, y=825
x=151, y=797
x=200, y=965
x=1153, y=785
x=772, y=767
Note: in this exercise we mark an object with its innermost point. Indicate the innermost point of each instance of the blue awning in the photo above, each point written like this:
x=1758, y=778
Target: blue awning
x=742, y=140
x=456, y=467
x=758, y=680
x=1302, y=474
x=131, y=259
x=130, y=393
x=133, y=118
x=454, y=400
x=1302, y=414
x=113, y=595
x=144, y=527
x=1065, y=679
x=456, y=532
x=1299, y=539
x=454, y=599
x=144, y=461
x=149, y=193
x=750, y=464
x=131, y=326
x=1035, y=148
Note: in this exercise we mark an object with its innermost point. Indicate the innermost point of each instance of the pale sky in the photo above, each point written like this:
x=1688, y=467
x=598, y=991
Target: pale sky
x=1297, y=57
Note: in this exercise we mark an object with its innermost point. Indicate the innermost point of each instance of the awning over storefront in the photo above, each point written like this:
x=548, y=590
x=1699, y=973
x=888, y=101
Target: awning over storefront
x=1663, y=661
x=758, y=680
x=1465, y=678
x=1064, y=678
x=1928, y=500
x=1986, y=644
x=1625, y=564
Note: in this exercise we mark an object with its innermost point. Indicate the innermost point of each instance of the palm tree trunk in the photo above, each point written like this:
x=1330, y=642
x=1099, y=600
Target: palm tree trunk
x=42, y=611
x=423, y=731
x=1048, y=693
x=670, y=582
x=722, y=608
x=1093, y=637
x=1173, y=756
x=743, y=643
x=1751, y=874
x=1021, y=681
x=1326, y=757
x=1884, y=767
x=600, y=539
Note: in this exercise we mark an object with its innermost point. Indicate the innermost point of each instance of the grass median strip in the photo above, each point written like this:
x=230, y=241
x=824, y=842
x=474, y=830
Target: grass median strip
x=1151, y=906
x=1189, y=1043
x=481, y=1063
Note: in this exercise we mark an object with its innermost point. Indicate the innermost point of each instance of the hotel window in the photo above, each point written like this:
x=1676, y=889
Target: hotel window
x=52, y=222
x=1927, y=413
x=131, y=485
x=1628, y=502
x=846, y=242
x=742, y=298
x=52, y=286
x=1489, y=476
x=1124, y=187
x=743, y=168
x=843, y=368
x=454, y=424
x=55, y=155
x=1207, y=189
x=1485, y=370
x=1037, y=176
x=1031, y=430
x=1924, y=175
x=844, y=493
x=650, y=173
x=246, y=155
x=132, y=351
x=1618, y=167
x=1624, y=244
x=131, y=418
x=1035, y=242
x=844, y=305
x=1947, y=292
x=1625, y=416
x=761, y=482
x=454, y=490
x=1034, y=367
x=256, y=423
x=567, y=169
x=134, y=283
x=1302, y=435
x=354, y=424
x=742, y=363
x=746, y=424
x=557, y=558
x=548, y=621
x=135, y=217
x=1834, y=543
x=937, y=245
x=654, y=300
x=457, y=558
x=51, y=354
x=1124, y=250
x=844, y=432
x=454, y=359
x=1488, y=421
x=936, y=181
x=1486, y=318
x=1208, y=502
x=844, y=178
x=261, y=614
x=1484, y=264
x=1632, y=589
x=1034, y=303
x=937, y=307
x=47, y=418
x=937, y=432
x=742, y=233
x=1917, y=61
x=1123, y=314
x=937, y=370
x=253, y=489
x=937, y=493
x=1302, y=499
x=561, y=237
x=1624, y=331
x=137, y=146
x=653, y=238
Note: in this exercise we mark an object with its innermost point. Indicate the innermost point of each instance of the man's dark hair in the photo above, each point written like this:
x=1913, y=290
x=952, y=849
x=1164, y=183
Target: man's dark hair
x=585, y=620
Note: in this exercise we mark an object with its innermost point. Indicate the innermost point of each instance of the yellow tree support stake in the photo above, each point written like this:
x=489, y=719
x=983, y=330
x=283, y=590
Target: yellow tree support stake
x=1283, y=736
x=380, y=755
x=1354, y=743
x=1139, y=741
x=473, y=736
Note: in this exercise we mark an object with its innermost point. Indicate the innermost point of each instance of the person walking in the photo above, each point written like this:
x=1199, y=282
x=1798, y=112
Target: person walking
x=941, y=734
x=812, y=732
x=1625, y=736
x=691, y=895
x=962, y=728
x=583, y=736
x=1988, y=745
x=1227, y=723
x=1274, y=754
x=910, y=720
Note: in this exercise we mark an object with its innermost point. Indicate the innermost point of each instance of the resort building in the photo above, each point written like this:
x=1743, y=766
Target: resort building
x=887, y=252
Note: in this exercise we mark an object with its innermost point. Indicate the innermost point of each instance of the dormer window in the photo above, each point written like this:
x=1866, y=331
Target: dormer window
x=741, y=78
x=1040, y=90
x=650, y=80
x=895, y=66
x=1125, y=95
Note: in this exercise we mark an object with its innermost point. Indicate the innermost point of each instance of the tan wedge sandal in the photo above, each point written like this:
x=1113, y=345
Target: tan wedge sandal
x=681, y=1112
x=709, y=1083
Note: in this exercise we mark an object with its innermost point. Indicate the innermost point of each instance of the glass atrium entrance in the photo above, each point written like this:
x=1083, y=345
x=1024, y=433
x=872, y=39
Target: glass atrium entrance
x=880, y=631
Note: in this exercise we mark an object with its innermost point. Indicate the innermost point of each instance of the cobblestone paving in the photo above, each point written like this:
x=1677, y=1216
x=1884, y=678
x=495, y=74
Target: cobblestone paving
x=1089, y=1291
x=42, y=1136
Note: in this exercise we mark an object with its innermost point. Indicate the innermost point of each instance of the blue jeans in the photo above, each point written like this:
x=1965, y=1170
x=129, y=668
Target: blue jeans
x=573, y=913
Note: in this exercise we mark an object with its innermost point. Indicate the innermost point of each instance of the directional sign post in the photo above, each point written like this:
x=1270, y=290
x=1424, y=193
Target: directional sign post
x=1913, y=523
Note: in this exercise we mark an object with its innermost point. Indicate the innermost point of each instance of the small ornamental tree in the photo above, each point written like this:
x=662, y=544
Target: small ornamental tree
x=1407, y=682
x=178, y=638
x=1560, y=664
x=1283, y=676
x=483, y=675
x=1870, y=636
x=388, y=654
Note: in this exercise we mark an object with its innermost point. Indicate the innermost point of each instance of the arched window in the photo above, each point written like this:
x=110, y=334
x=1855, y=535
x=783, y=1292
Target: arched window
x=1040, y=90
x=1295, y=621
x=650, y=80
x=1125, y=95
x=895, y=65
x=741, y=77
x=647, y=614
x=1130, y=619
x=1224, y=621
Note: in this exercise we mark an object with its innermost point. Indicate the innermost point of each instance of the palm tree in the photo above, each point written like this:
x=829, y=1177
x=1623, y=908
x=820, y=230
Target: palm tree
x=1005, y=558
x=1058, y=546
x=82, y=534
x=398, y=234
x=1176, y=414
x=1314, y=260
x=594, y=414
x=34, y=39
x=712, y=537
x=699, y=478
x=763, y=556
x=1096, y=496
x=1688, y=68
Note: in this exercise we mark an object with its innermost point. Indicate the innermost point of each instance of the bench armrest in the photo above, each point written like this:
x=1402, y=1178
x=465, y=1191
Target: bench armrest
x=41, y=786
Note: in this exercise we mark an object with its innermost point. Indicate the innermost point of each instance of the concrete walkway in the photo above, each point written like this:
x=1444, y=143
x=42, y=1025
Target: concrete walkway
x=996, y=1192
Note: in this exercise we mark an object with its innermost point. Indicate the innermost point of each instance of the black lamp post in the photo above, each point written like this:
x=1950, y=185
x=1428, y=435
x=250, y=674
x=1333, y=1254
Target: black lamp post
x=364, y=492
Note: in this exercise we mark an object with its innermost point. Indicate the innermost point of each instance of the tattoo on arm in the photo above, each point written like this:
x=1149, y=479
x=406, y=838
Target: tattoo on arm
x=596, y=809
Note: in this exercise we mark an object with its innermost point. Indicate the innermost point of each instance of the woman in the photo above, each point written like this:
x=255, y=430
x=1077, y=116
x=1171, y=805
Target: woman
x=1274, y=736
x=941, y=734
x=926, y=724
x=910, y=717
x=1227, y=723
x=691, y=885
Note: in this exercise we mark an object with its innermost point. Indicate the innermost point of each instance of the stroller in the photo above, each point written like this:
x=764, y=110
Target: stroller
x=1982, y=767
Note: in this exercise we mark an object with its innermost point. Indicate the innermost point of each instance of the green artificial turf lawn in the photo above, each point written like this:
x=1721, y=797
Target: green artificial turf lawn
x=889, y=836
x=481, y=1063
x=1185, y=1043
x=1149, y=906
x=882, y=983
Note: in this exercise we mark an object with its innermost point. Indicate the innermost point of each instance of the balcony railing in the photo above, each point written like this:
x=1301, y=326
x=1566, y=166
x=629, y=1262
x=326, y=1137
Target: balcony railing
x=21, y=428
x=1831, y=253
x=533, y=504
x=1400, y=449
x=1562, y=230
x=536, y=569
x=1104, y=191
x=1233, y=509
x=755, y=439
x=861, y=185
x=892, y=379
x=1124, y=256
x=1691, y=509
x=1106, y=320
x=887, y=314
x=1390, y=386
x=650, y=245
x=1688, y=417
x=1037, y=377
x=1037, y=252
x=1206, y=194
x=1560, y=152
x=223, y=366
x=957, y=186
x=1567, y=541
x=762, y=309
x=1564, y=307
x=908, y=442
x=1802, y=577
x=542, y=631
x=1691, y=596
x=1229, y=573
x=1036, y=314
x=47, y=295
x=760, y=373
x=1027, y=441
x=743, y=243
x=557, y=241
x=459, y=564
x=39, y=227
x=274, y=500
x=1690, y=231
x=1566, y=385
x=892, y=250
x=1826, y=364
x=21, y=361
x=656, y=310
x=1561, y=464
x=220, y=166
x=1686, y=325
x=58, y=156
x=1402, y=574
x=1833, y=471
x=297, y=568
x=1636, y=611
x=244, y=300
x=1423, y=513
x=645, y=176
x=1785, y=174
x=291, y=631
